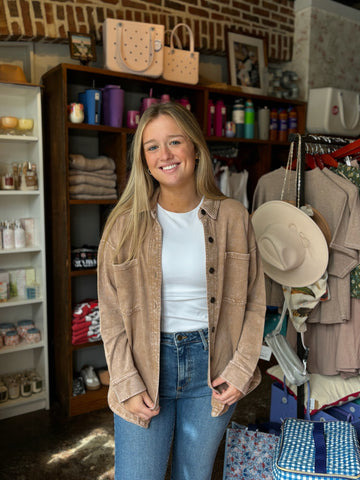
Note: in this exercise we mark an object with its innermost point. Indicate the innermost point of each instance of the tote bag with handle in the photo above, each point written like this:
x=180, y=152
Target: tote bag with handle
x=134, y=47
x=181, y=65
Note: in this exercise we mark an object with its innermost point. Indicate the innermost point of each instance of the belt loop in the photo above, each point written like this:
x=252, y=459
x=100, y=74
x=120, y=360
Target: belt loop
x=203, y=339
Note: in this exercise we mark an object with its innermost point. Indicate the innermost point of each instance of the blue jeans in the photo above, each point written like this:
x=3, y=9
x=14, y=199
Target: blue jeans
x=184, y=422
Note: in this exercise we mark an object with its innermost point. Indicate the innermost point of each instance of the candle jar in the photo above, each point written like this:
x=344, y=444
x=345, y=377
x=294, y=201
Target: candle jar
x=12, y=338
x=3, y=393
x=33, y=335
x=26, y=387
x=36, y=384
x=23, y=326
x=13, y=389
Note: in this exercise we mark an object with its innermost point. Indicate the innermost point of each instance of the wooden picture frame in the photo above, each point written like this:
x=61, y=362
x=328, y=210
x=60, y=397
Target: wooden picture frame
x=82, y=47
x=246, y=61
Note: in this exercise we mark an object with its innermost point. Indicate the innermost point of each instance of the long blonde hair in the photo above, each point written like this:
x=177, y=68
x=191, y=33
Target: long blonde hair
x=140, y=188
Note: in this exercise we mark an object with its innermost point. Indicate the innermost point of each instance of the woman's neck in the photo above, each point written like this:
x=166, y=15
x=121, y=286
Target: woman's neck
x=178, y=202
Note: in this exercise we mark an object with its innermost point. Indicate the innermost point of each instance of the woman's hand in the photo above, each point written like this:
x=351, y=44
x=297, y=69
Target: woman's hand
x=224, y=392
x=142, y=406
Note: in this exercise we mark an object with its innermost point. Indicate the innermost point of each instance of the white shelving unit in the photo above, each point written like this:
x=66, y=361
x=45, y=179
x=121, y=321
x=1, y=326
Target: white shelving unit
x=24, y=101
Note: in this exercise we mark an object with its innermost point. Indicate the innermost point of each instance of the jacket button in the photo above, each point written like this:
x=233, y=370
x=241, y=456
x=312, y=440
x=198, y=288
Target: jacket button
x=212, y=299
x=203, y=211
x=211, y=270
x=211, y=239
x=213, y=329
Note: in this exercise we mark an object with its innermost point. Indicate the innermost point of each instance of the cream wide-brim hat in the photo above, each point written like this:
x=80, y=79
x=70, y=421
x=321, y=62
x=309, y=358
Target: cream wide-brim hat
x=293, y=249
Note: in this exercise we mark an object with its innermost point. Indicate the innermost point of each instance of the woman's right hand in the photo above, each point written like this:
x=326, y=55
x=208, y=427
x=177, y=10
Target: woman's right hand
x=142, y=406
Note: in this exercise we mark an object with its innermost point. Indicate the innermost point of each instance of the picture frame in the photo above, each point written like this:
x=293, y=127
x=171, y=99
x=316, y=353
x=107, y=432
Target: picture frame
x=246, y=61
x=82, y=47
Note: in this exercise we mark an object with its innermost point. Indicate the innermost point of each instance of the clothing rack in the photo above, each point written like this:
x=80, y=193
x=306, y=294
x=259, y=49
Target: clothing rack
x=308, y=140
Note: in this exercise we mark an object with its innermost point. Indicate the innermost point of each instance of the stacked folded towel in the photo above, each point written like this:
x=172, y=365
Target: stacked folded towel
x=92, y=177
x=86, y=322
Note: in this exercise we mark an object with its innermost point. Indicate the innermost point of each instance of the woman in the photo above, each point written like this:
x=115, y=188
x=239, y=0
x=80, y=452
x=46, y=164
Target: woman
x=182, y=304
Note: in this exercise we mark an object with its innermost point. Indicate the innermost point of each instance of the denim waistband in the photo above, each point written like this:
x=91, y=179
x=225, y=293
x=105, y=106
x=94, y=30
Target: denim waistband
x=180, y=338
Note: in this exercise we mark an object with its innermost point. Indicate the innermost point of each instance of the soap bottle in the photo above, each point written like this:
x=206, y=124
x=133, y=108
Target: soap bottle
x=249, y=119
x=8, y=236
x=283, y=126
x=19, y=235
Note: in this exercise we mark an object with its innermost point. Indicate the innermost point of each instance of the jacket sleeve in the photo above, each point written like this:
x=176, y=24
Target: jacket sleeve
x=241, y=371
x=125, y=381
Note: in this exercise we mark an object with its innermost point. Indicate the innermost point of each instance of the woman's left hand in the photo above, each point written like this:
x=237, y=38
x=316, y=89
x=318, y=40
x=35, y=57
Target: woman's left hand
x=224, y=392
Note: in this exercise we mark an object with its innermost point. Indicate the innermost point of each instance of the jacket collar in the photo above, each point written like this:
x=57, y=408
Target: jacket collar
x=210, y=206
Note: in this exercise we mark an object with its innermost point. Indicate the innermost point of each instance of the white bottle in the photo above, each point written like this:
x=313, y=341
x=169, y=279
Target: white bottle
x=19, y=235
x=8, y=237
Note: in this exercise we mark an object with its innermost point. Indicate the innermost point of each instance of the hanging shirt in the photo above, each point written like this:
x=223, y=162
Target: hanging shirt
x=184, y=301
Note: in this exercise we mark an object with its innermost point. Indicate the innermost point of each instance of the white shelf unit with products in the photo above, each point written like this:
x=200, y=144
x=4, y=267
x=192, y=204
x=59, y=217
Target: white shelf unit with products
x=24, y=372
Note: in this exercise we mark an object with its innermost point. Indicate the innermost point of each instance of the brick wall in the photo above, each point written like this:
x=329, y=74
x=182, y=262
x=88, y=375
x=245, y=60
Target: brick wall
x=50, y=20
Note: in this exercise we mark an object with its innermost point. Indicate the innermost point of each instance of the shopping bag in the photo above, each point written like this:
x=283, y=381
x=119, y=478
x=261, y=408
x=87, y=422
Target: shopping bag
x=248, y=454
x=181, y=65
x=133, y=47
x=310, y=450
x=333, y=111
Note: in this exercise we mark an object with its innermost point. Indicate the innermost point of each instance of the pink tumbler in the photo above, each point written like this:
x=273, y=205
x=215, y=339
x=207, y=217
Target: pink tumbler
x=113, y=105
x=220, y=118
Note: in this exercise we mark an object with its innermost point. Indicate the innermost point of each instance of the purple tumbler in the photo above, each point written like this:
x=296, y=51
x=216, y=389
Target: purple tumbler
x=113, y=105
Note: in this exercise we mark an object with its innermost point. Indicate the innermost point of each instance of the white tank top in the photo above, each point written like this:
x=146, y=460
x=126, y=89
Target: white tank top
x=184, y=303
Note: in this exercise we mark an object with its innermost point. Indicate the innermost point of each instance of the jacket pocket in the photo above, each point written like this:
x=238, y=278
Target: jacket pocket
x=127, y=278
x=236, y=274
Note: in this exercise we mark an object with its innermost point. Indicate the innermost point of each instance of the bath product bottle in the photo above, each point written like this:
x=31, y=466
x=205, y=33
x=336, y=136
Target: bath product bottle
x=292, y=120
x=238, y=117
x=249, y=119
x=283, y=125
x=19, y=235
x=8, y=237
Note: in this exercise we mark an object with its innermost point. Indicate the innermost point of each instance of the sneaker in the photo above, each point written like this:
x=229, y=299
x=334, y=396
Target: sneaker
x=91, y=380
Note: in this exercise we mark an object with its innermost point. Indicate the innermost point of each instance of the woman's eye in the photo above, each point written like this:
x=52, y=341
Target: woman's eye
x=174, y=142
x=151, y=148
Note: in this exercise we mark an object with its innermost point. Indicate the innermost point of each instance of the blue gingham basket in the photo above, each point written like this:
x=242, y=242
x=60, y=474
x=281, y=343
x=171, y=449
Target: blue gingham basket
x=316, y=451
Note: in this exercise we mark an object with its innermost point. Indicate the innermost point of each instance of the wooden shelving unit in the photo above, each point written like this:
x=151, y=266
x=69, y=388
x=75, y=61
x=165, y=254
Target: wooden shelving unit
x=61, y=87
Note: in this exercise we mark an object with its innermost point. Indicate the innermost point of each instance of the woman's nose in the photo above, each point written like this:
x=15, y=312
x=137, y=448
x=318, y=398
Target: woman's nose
x=165, y=152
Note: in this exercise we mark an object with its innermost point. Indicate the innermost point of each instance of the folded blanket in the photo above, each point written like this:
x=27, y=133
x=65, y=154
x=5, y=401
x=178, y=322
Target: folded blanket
x=94, y=197
x=90, y=164
x=106, y=173
x=84, y=188
x=76, y=179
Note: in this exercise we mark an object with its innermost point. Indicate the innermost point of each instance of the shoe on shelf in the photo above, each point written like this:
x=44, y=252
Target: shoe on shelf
x=91, y=380
x=103, y=374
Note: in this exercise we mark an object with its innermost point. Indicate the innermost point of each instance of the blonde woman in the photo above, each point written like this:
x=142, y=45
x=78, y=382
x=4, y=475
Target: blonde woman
x=182, y=304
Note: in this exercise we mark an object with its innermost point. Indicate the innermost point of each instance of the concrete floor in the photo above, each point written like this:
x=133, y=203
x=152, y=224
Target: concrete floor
x=44, y=446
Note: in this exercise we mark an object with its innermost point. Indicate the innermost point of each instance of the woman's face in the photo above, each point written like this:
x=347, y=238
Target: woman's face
x=169, y=153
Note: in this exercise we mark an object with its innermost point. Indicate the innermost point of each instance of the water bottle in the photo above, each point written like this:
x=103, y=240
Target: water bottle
x=211, y=119
x=249, y=119
x=220, y=118
x=238, y=117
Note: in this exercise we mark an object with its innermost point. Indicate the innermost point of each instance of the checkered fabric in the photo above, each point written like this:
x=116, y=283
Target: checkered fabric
x=294, y=457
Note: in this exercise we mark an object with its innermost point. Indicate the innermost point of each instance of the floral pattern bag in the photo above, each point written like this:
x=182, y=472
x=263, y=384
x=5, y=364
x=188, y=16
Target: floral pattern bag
x=249, y=454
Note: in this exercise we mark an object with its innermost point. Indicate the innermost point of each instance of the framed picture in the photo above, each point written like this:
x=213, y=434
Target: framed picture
x=82, y=47
x=246, y=61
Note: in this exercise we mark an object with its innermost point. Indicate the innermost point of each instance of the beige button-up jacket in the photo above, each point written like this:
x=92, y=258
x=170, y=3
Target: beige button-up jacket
x=130, y=306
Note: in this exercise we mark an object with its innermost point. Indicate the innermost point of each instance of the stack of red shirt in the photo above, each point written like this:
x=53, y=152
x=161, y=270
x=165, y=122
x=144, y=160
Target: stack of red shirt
x=86, y=322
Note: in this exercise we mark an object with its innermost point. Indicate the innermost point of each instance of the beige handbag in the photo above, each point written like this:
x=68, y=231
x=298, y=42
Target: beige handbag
x=133, y=47
x=181, y=65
